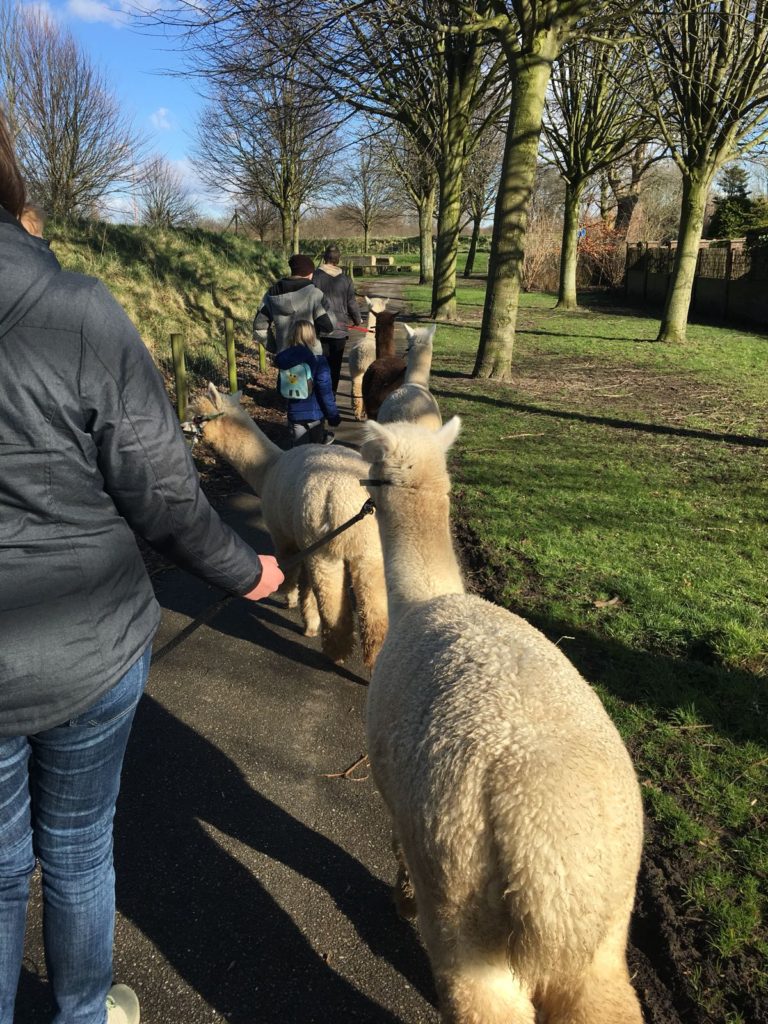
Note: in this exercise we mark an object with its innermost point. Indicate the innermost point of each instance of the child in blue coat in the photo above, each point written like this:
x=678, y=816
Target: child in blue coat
x=304, y=380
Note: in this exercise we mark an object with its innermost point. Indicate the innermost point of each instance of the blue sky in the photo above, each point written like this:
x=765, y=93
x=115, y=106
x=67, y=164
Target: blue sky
x=136, y=64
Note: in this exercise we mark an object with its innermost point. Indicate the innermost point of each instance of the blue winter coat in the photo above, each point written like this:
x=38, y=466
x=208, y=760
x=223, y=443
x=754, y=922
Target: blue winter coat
x=320, y=404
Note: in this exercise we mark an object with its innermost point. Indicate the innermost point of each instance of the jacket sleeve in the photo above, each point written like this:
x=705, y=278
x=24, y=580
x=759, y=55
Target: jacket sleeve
x=324, y=325
x=262, y=323
x=352, y=307
x=324, y=392
x=142, y=455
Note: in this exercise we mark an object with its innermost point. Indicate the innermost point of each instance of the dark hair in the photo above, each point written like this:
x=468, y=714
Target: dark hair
x=332, y=254
x=301, y=265
x=12, y=192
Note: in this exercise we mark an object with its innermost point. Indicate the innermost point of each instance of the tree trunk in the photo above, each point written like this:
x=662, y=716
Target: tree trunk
x=285, y=228
x=450, y=174
x=295, y=234
x=472, y=247
x=625, y=207
x=530, y=76
x=426, y=216
x=675, y=318
x=366, y=238
x=569, y=251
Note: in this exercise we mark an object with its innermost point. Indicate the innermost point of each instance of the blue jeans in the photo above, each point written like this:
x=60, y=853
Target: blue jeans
x=57, y=801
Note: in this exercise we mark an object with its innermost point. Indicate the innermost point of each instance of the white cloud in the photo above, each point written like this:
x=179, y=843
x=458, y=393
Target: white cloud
x=97, y=10
x=161, y=119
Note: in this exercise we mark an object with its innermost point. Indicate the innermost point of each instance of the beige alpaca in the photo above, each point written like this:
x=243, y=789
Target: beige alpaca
x=361, y=354
x=413, y=401
x=306, y=492
x=513, y=798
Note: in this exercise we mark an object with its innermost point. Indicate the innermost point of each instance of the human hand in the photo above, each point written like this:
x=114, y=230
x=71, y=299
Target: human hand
x=271, y=578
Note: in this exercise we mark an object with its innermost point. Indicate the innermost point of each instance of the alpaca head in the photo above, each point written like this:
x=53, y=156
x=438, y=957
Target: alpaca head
x=420, y=339
x=214, y=403
x=409, y=458
x=375, y=305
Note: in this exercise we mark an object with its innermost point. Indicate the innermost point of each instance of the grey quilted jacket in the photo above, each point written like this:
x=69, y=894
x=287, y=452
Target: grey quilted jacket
x=90, y=451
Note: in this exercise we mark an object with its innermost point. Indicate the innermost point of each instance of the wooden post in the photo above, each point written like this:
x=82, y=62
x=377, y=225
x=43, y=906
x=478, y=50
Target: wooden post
x=229, y=336
x=262, y=358
x=180, y=372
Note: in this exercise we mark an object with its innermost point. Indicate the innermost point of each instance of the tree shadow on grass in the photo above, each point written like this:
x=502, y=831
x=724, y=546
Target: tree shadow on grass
x=747, y=440
x=732, y=701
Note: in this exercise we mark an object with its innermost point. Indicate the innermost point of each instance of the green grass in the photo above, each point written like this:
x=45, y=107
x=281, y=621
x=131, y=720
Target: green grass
x=619, y=490
x=169, y=281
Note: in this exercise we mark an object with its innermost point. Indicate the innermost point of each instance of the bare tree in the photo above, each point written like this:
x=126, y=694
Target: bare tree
x=10, y=63
x=707, y=89
x=625, y=177
x=386, y=58
x=415, y=171
x=73, y=141
x=265, y=139
x=367, y=194
x=481, y=185
x=164, y=199
x=259, y=216
x=590, y=121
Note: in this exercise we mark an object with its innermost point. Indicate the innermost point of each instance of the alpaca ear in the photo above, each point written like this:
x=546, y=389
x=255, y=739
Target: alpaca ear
x=409, y=330
x=215, y=395
x=367, y=299
x=448, y=433
x=429, y=332
x=378, y=442
x=236, y=397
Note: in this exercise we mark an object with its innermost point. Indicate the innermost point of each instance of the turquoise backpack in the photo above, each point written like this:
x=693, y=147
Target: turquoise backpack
x=296, y=382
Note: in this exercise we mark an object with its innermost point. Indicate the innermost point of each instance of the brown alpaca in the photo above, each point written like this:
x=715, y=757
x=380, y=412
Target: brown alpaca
x=387, y=371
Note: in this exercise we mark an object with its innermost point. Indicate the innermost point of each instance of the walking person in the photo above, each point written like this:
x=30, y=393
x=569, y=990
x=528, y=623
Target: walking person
x=304, y=381
x=90, y=453
x=291, y=299
x=339, y=292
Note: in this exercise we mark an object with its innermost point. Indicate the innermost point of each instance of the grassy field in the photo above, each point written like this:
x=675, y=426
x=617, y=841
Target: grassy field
x=617, y=492
x=168, y=281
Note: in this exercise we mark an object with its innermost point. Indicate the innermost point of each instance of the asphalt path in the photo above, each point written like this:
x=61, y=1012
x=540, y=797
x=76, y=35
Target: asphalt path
x=253, y=875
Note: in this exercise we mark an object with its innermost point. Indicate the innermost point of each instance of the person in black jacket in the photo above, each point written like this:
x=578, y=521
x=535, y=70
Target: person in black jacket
x=90, y=453
x=339, y=292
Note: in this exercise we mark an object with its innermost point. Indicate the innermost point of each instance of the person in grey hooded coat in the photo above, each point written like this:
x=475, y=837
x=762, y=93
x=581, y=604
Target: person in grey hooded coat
x=91, y=453
x=289, y=300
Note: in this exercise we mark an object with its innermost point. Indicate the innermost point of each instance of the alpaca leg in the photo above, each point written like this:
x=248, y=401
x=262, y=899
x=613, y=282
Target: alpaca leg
x=404, y=894
x=289, y=588
x=371, y=595
x=310, y=614
x=478, y=987
x=329, y=583
x=358, y=409
x=603, y=994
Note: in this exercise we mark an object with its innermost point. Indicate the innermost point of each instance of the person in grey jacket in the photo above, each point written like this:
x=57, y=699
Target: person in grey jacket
x=339, y=292
x=289, y=300
x=90, y=453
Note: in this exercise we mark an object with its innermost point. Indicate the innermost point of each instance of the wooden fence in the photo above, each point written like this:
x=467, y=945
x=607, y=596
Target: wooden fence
x=731, y=280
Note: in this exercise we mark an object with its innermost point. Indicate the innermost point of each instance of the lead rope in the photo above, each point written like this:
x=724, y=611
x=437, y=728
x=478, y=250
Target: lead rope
x=215, y=607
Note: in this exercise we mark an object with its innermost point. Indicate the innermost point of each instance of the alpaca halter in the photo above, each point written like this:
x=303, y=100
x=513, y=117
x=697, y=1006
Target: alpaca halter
x=194, y=428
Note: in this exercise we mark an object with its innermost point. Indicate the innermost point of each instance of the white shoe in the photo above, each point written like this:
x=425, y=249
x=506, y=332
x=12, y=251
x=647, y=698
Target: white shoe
x=122, y=1006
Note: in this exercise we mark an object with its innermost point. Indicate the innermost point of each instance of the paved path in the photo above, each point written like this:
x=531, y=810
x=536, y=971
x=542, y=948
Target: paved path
x=251, y=886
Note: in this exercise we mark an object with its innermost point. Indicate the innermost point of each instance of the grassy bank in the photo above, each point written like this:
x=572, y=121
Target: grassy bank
x=169, y=281
x=617, y=492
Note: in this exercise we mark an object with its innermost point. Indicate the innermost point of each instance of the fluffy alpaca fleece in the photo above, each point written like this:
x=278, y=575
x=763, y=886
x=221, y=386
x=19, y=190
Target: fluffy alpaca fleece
x=413, y=401
x=387, y=371
x=515, y=805
x=361, y=354
x=306, y=492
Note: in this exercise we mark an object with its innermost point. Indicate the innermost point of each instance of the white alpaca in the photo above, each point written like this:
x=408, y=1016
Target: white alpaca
x=413, y=401
x=306, y=492
x=514, y=801
x=361, y=353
